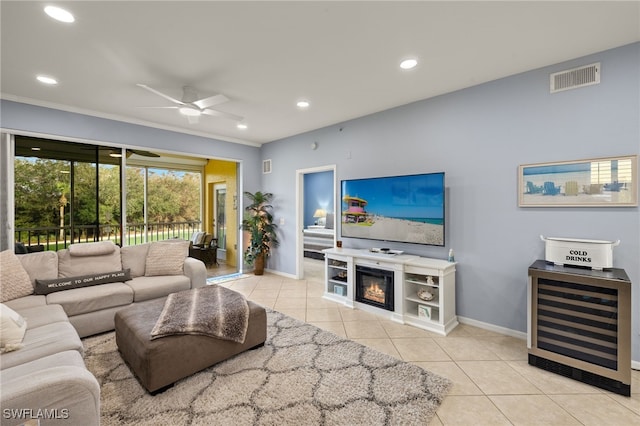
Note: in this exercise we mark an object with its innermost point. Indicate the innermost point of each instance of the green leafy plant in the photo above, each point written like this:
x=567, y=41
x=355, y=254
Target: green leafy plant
x=258, y=221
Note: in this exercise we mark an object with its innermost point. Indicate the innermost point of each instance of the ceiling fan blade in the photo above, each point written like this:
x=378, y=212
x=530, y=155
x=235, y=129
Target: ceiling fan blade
x=142, y=153
x=210, y=101
x=193, y=119
x=159, y=107
x=216, y=113
x=175, y=101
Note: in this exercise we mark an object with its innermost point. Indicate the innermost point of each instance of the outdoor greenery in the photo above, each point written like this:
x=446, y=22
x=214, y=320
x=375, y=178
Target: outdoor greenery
x=43, y=194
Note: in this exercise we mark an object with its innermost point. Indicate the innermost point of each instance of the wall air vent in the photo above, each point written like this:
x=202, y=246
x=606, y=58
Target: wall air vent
x=574, y=78
x=266, y=166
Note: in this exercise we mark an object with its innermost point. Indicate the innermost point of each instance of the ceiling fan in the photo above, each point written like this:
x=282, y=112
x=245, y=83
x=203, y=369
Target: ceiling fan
x=192, y=107
x=141, y=153
x=116, y=152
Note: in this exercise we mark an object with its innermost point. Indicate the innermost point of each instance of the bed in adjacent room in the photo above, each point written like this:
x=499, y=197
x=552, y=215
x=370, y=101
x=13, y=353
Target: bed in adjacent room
x=319, y=237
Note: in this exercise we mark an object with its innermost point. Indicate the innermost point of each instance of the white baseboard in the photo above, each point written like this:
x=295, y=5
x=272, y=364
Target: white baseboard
x=282, y=274
x=635, y=365
x=496, y=329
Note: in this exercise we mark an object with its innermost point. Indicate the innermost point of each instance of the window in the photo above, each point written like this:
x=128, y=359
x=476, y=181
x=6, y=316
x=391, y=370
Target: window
x=69, y=192
x=162, y=203
x=65, y=192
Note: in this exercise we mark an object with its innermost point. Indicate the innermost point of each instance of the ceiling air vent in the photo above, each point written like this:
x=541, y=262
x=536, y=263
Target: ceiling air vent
x=574, y=78
x=266, y=166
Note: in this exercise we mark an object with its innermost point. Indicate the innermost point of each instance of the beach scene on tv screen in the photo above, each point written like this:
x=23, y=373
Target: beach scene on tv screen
x=400, y=208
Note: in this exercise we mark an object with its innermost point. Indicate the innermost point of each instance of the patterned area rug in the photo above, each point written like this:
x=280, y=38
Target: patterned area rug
x=302, y=376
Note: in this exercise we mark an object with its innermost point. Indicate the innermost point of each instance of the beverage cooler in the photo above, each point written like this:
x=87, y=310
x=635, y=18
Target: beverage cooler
x=579, y=324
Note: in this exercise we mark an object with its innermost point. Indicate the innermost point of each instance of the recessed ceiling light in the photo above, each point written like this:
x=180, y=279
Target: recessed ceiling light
x=59, y=14
x=302, y=104
x=407, y=64
x=35, y=148
x=241, y=126
x=46, y=80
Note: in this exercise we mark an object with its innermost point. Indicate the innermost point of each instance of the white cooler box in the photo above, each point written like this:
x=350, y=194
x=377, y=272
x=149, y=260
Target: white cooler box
x=595, y=254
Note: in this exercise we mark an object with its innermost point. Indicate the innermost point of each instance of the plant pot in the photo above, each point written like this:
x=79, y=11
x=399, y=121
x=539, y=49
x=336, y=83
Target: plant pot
x=258, y=265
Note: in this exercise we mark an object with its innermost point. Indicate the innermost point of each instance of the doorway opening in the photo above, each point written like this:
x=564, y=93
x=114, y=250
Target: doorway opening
x=219, y=219
x=221, y=216
x=315, y=213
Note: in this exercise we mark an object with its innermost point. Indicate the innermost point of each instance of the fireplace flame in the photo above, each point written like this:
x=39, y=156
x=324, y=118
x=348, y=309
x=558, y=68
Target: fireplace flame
x=375, y=293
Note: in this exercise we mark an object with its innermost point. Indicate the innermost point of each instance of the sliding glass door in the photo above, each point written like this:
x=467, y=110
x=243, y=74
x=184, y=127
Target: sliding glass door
x=65, y=193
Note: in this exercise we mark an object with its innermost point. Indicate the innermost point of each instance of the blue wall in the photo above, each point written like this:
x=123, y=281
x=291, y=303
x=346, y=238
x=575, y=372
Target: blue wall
x=479, y=136
x=318, y=194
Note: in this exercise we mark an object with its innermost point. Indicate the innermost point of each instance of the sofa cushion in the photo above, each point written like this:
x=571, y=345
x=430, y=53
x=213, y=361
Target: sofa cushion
x=61, y=284
x=135, y=258
x=92, y=249
x=14, y=278
x=12, y=329
x=43, y=315
x=90, y=299
x=43, y=341
x=146, y=288
x=58, y=388
x=60, y=359
x=27, y=302
x=72, y=265
x=198, y=238
x=40, y=265
x=166, y=258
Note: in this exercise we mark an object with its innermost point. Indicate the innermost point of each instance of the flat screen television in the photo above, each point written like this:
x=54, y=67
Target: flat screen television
x=407, y=209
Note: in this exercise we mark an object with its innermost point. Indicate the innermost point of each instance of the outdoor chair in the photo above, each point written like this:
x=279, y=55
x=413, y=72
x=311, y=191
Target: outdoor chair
x=533, y=189
x=571, y=188
x=206, y=251
x=550, y=188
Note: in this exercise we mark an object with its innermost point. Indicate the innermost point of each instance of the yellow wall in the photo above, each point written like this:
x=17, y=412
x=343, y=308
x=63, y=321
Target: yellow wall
x=218, y=171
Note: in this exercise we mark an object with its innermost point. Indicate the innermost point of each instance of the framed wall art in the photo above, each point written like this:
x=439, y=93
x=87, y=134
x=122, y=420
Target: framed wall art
x=597, y=182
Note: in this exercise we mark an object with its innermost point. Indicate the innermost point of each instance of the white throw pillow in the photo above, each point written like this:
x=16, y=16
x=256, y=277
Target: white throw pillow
x=12, y=329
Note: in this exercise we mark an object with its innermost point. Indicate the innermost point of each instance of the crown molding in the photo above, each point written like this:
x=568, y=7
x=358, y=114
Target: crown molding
x=68, y=108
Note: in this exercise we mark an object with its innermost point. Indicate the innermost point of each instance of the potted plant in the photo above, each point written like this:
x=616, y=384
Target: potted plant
x=258, y=221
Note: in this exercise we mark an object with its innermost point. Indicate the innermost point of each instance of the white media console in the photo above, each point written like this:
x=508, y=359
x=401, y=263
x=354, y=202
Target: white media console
x=410, y=275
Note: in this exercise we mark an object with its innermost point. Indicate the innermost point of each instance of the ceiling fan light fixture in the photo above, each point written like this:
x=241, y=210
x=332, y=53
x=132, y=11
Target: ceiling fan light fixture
x=190, y=111
x=59, y=14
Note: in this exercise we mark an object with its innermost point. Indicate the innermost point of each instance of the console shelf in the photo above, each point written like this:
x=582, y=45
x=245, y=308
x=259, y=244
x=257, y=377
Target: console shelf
x=339, y=278
x=436, y=277
x=412, y=274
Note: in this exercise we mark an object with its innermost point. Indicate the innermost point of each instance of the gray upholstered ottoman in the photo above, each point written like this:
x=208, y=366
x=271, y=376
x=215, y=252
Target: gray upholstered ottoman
x=160, y=362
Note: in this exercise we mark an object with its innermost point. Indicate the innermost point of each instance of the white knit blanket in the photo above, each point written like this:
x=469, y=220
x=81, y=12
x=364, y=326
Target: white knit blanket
x=211, y=310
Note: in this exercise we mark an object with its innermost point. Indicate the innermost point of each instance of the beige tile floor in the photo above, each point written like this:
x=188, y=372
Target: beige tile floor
x=493, y=384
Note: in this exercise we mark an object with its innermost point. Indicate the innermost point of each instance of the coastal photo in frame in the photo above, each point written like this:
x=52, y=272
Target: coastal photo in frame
x=597, y=182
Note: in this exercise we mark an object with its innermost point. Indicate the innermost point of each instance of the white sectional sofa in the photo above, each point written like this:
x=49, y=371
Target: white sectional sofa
x=44, y=375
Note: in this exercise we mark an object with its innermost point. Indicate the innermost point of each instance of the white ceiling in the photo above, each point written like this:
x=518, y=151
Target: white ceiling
x=341, y=56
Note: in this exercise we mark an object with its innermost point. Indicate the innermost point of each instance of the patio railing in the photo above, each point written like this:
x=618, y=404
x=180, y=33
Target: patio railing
x=57, y=238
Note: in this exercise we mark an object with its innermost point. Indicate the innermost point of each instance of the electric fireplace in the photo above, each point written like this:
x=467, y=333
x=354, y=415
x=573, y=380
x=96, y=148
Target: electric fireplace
x=374, y=287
